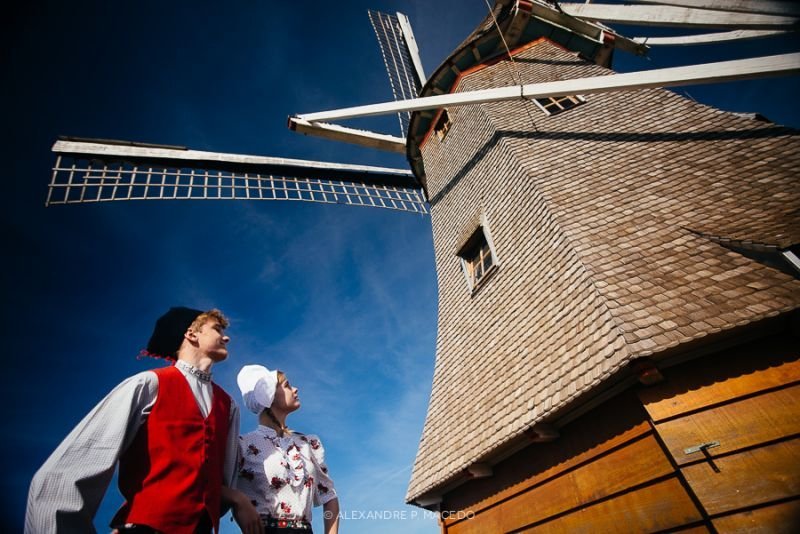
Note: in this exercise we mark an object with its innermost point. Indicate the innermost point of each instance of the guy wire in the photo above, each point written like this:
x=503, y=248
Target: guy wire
x=512, y=67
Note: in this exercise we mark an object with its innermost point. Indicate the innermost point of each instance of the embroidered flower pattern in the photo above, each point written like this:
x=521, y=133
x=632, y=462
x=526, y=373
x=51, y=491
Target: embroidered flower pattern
x=284, y=476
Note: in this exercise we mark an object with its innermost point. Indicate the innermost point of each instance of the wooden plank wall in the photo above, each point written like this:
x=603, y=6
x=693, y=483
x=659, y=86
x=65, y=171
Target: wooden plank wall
x=607, y=469
x=622, y=467
x=748, y=401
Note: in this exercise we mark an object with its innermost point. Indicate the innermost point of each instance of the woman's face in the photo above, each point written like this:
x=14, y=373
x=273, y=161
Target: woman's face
x=286, y=399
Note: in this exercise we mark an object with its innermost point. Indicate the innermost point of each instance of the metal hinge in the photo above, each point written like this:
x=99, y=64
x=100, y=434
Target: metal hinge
x=701, y=447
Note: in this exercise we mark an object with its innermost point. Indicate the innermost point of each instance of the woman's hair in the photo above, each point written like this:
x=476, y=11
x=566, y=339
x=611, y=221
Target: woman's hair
x=283, y=429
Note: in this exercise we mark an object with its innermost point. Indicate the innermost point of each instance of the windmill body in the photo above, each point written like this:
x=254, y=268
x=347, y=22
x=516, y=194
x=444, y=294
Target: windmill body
x=615, y=294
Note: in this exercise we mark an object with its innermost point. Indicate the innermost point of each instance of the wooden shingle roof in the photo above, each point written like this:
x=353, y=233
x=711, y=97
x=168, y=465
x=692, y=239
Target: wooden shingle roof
x=622, y=228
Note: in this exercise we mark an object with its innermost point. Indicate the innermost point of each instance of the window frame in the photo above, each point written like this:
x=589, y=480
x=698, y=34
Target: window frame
x=442, y=125
x=555, y=100
x=478, y=246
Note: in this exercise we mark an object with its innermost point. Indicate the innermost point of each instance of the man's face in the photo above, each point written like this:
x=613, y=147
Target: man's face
x=212, y=341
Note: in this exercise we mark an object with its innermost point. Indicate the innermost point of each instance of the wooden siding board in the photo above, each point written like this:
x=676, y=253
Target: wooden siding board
x=745, y=423
x=782, y=518
x=661, y=506
x=636, y=464
x=752, y=477
x=612, y=425
x=749, y=369
x=698, y=529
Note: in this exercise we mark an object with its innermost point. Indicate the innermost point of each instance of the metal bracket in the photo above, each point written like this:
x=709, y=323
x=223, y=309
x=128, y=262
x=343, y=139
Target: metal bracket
x=701, y=447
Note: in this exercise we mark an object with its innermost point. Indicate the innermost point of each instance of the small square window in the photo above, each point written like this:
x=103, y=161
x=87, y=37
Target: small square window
x=442, y=125
x=477, y=258
x=556, y=104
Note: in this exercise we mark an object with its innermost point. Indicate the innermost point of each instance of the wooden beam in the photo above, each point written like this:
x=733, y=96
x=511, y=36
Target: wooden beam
x=678, y=17
x=684, y=40
x=792, y=258
x=517, y=25
x=676, y=76
x=344, y=134
x=116, y=149
x=586, y=28
x=413, y=49
x=764, y=7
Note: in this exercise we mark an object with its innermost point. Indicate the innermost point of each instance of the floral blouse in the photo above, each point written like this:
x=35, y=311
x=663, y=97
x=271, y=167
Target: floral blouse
x=284, y=476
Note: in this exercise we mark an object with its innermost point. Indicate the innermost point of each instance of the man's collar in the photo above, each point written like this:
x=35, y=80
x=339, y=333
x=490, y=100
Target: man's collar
x=192, y=370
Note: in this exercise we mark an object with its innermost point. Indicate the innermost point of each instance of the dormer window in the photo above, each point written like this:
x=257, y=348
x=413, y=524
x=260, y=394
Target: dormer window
x=477, y=256
x=442, y=125
x=478, y=259
x=552, y=105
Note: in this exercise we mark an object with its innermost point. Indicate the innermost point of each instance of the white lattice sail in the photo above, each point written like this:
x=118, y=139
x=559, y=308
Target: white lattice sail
x=100, y=171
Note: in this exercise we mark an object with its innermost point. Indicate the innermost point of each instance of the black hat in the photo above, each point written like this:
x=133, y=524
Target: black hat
x=168, y=332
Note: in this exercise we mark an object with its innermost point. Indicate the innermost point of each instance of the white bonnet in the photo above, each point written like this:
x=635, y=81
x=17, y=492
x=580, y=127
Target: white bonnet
x=257, y=384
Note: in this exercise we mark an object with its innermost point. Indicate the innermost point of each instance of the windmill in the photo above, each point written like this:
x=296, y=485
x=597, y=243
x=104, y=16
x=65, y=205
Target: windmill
x=473, y=255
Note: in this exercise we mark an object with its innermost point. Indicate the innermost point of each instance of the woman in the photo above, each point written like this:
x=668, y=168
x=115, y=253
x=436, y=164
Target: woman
x=282, y=472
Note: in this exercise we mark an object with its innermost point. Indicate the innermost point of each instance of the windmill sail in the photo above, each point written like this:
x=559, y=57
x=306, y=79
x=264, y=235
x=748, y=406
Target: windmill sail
x=721, y=71
x=100, y=171
x=400, y=56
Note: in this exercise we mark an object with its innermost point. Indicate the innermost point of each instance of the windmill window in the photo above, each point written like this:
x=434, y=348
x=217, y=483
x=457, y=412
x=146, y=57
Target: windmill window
x=442, y=125
x=556, y=104
x=478, y=259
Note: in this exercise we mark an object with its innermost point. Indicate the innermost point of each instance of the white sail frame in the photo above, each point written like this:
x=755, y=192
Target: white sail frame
x=96, y=171
x=722, y=71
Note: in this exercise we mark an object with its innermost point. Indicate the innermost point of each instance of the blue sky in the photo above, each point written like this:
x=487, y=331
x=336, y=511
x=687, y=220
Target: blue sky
x=343, y=299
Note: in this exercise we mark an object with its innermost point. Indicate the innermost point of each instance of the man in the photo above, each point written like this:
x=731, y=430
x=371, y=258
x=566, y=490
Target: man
x=174, y=434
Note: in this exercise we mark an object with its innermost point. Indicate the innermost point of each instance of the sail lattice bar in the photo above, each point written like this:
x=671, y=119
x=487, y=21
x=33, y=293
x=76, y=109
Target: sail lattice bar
x=105, y=171
x=404, y=70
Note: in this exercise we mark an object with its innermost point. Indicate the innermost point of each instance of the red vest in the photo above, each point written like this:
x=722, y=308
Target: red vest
x=172, y=472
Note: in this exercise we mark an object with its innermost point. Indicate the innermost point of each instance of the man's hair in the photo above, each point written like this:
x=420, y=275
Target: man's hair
x=204, y=317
